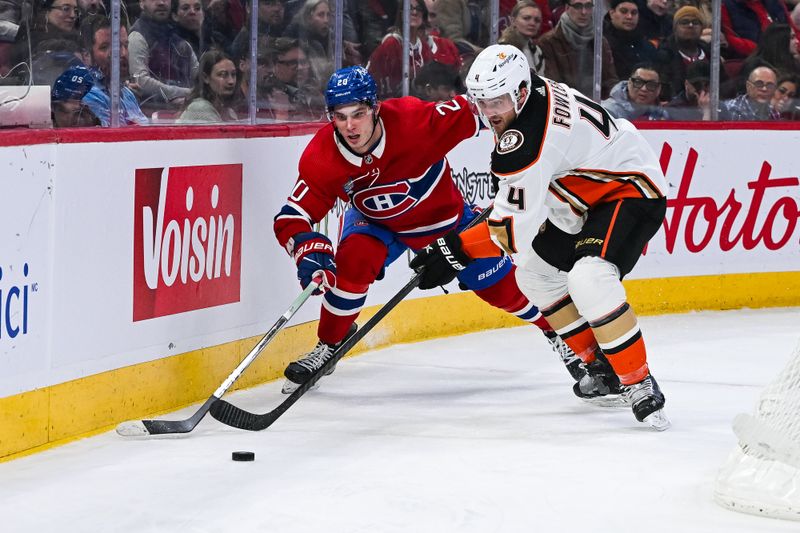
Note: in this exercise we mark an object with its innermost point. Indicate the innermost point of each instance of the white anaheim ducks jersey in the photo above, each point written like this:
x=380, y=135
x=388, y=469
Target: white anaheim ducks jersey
x=563, y=155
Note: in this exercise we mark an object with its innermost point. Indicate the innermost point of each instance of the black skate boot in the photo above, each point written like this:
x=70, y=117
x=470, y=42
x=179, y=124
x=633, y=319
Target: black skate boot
x=600, y=384
x=647, y=402
x=300, y=371
x=573, y=363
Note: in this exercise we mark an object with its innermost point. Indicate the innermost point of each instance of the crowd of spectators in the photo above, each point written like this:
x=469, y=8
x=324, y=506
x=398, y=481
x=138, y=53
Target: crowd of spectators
x=188, y=61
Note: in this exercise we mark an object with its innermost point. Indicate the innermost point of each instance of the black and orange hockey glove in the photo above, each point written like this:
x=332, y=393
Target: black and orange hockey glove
x=441, y=261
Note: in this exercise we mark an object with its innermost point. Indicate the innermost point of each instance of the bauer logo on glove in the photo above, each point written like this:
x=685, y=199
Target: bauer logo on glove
x=313, y=253
x=439, y=262
x=447, y=254
x=312, y=247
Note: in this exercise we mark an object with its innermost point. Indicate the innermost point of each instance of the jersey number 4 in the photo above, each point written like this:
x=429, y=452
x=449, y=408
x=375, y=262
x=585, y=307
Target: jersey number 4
x=516, y=196
x=604, y=123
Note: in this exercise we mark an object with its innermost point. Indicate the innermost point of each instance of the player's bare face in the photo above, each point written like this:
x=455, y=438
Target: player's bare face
x=498, y=111
x=356, y=124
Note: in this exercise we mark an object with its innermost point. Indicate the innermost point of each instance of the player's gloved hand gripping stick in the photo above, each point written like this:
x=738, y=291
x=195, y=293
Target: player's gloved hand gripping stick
x=231, y=415
x=313, y=254
x=440, y=262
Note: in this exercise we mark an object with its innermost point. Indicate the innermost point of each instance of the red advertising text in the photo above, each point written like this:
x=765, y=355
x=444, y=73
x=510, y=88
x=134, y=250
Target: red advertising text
x=766, y=215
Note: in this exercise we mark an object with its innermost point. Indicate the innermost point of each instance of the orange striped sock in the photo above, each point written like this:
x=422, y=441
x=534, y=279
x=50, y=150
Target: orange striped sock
x=629, y=360
x=582, y=342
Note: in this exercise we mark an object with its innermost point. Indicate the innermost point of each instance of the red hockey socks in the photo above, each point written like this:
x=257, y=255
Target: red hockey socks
x=359, y=260
x=505, y=295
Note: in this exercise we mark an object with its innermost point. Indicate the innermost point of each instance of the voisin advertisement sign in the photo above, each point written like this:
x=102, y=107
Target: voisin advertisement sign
x=187, y=239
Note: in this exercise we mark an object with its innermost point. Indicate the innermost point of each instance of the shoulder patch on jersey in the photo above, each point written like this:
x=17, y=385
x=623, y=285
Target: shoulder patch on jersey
x=509, y=141
x=507, y=157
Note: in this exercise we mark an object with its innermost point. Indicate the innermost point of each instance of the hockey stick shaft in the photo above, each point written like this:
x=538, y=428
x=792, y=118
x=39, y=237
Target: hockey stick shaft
x=267, y=338
x=160, y=427
x=231, y=415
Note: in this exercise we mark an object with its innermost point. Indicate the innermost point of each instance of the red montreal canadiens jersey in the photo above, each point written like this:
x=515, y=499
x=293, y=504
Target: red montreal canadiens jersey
x=404, y=185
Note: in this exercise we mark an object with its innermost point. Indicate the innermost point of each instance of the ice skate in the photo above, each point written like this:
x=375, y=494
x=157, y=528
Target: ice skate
x=600, y=385
x=647, y=402
x=573, y=363
x=300, y=371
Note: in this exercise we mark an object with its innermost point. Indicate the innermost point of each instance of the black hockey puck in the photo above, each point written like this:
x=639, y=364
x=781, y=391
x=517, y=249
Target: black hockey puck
x=243, y=456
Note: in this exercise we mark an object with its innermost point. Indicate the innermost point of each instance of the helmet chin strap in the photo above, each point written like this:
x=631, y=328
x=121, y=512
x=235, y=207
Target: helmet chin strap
x=517, y=110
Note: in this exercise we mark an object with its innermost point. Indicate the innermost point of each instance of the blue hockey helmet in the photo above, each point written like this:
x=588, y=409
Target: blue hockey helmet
x=351, y=85
x=72, y=84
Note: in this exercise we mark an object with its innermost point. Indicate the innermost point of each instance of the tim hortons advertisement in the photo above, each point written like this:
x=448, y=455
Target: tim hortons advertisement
x=187, y=239
x=738, y=219
x=732, y=204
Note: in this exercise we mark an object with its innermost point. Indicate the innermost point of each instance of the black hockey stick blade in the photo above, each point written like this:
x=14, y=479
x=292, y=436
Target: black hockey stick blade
x=142, y=428
x=229, y=414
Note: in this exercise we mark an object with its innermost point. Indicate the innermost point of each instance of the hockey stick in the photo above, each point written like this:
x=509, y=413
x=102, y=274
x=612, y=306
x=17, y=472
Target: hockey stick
x=140, y=428
x=231, y=415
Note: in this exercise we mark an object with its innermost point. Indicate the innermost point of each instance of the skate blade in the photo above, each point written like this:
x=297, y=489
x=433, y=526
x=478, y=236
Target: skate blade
x=611, y=400
x=290, y=386
x=658, y=420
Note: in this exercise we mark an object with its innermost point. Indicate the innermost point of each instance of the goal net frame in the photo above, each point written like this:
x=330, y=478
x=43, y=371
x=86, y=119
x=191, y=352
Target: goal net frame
x=762, y=474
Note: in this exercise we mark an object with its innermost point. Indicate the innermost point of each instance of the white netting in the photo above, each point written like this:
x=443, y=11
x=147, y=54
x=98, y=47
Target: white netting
x=762, y=475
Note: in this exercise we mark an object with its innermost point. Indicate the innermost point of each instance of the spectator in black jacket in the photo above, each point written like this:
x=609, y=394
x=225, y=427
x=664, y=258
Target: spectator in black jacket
x=693, y=101
x=683, y=48
x=628, y=45
x=438, y=82
x=655, y=21
x=188, y=18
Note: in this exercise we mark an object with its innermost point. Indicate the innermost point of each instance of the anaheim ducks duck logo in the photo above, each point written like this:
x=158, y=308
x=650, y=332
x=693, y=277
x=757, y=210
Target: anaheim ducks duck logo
x=509, y=141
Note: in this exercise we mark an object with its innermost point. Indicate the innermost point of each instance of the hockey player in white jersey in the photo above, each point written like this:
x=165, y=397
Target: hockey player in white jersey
x=579, y=196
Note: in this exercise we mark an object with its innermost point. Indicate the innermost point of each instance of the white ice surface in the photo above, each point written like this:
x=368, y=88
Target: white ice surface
x=479, y=433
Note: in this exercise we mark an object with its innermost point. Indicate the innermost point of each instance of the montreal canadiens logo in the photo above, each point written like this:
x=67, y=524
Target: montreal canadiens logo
x=510, y=141
x=385, y=201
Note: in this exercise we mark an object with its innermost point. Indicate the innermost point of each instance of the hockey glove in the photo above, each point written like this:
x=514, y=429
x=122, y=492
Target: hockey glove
x=313, y=252
x=440, y=262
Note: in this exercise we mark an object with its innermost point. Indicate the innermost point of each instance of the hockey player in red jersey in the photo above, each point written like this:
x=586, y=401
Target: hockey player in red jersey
x=579, y=196
x=401, y=195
